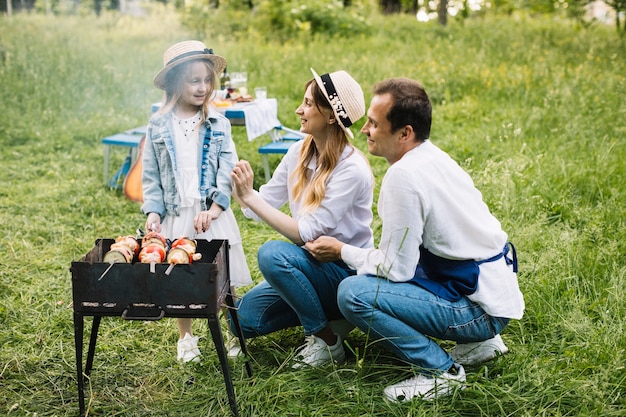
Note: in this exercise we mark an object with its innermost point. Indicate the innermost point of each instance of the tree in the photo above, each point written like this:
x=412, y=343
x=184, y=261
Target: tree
x=619, y=6
x=442, y=12
x=391, y=6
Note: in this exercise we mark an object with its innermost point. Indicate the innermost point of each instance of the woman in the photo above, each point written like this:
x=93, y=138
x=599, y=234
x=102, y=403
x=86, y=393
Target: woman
x=328, y=184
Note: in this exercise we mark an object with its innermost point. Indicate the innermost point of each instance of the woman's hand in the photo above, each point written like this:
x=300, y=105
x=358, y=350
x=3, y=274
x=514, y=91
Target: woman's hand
x=243, y=179
x=325, y=249
x=153, y=223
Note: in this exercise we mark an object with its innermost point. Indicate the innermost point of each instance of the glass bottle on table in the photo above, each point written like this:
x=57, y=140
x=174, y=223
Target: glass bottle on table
x=225, y=80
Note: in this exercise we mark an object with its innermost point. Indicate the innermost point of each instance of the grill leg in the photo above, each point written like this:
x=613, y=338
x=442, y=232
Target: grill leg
x=218, y=340
x=230, y=302
x=79, y=325
x=92, y=344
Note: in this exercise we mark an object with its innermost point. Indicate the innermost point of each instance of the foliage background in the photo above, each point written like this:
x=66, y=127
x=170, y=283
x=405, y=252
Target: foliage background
x=532, y=108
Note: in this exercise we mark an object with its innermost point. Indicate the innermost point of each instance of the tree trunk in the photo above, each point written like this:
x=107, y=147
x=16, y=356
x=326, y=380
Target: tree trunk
x=390, y=6
x=443, y=12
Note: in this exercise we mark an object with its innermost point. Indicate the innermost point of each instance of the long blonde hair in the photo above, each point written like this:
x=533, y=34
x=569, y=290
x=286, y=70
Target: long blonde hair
x=311, y=191
x=174, y=81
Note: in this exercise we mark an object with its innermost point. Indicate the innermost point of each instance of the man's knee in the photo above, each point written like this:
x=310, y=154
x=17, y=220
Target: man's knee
x=346, y=294
x=345, y=290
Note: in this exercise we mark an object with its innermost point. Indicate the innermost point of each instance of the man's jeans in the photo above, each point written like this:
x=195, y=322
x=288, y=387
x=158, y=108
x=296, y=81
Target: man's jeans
x=298, y=290
x=403, y=316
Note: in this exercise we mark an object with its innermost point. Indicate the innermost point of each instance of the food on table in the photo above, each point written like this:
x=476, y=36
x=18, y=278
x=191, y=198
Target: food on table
x=222, y=103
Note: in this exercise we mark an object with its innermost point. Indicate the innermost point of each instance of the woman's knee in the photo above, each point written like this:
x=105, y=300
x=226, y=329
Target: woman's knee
x=274, y=253
x=278, y=259
x=269, y=250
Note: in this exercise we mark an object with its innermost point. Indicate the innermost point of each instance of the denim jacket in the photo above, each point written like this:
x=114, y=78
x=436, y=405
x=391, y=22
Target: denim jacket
x=217, y=158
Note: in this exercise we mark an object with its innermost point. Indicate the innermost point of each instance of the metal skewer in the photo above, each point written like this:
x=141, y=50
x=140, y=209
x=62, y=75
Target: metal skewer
x=106, y=270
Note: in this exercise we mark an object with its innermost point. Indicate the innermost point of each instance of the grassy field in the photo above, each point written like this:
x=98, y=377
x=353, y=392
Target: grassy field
x=534, y=109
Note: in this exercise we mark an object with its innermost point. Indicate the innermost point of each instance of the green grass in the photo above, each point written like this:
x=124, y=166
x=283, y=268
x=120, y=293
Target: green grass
x=533, y=109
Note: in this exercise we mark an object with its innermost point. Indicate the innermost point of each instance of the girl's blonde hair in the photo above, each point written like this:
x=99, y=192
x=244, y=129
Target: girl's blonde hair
x=175, y=80
x=311, y=191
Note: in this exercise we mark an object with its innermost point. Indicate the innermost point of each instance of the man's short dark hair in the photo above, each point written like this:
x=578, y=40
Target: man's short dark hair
x=411, y=105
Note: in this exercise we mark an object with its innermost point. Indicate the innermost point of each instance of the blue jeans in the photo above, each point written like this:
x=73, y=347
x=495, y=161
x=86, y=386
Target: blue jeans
x=404, y=317
x=298, y=290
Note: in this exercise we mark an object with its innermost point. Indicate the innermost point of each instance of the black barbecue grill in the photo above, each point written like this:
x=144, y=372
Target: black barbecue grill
x=134, y=292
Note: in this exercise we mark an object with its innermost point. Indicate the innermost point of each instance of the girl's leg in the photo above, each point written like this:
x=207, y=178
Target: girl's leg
x=187, y=345
x=184, y=326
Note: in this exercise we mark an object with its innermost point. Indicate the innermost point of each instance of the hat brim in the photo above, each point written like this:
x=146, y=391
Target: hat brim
x=320, y=84
x=219, y=63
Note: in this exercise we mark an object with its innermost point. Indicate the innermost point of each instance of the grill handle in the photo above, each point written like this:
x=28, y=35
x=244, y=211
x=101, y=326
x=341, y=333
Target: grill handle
x=127, y=314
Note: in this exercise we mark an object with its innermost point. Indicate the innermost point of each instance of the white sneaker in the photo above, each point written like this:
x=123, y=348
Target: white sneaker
x=478, y=352
x=427, y=388
x=233, y=347
x=188, y=349
x=316, y=353
x=341, y=327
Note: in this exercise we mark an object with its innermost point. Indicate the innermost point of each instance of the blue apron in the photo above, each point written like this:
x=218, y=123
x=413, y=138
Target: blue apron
x=452, y=279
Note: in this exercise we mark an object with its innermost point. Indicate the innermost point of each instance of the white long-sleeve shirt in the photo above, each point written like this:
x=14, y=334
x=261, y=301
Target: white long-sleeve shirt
x=346, y=210
x=427, y=199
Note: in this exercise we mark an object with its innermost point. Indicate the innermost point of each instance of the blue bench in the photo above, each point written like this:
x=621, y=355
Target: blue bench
x=236, y=117
x=130, y=139
x=279, y=146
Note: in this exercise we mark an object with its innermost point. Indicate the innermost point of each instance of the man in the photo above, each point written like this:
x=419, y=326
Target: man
x=442, y=269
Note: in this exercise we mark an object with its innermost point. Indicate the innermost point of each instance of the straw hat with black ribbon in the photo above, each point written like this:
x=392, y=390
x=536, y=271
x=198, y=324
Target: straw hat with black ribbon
x=345, y=96
x=187, y=51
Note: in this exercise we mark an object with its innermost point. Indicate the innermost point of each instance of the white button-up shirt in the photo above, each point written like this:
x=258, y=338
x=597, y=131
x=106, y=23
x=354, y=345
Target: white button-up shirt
x=346, y=210
x=427, y=199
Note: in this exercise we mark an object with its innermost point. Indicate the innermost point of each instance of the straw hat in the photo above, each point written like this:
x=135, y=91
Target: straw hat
x=345, y=97
x=183, y=52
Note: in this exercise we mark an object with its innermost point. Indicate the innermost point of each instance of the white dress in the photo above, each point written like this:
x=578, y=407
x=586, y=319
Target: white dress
x=188, y=184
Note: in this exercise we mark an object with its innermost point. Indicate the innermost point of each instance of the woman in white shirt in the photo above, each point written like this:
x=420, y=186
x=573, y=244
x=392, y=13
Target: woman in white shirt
x=328, y=185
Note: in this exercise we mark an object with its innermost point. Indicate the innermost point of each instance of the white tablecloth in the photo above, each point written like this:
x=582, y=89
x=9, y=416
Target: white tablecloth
x=261, y=116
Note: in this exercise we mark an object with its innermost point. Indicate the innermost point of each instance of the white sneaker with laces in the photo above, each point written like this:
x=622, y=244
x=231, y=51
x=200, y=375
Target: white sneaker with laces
x=427, y=388
x=478, y=352
x=188, y=349
x=341, y=327
x=316, y=353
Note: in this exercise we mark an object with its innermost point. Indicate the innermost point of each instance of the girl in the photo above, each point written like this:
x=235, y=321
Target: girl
x=187, y=160
x=329, y=185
